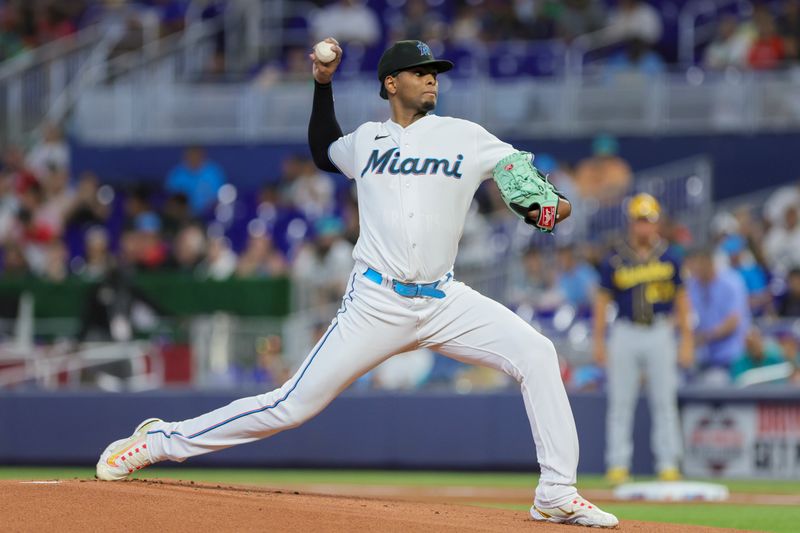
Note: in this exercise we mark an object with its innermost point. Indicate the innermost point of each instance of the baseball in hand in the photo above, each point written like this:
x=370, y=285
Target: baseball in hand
x=324, y=52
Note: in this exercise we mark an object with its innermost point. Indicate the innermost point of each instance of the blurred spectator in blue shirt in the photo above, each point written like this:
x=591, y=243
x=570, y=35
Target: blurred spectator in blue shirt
x=577, y=279
x=754, y=276
x=719, y=301
x=198, y=178
x=635, y=61
x=758, y=353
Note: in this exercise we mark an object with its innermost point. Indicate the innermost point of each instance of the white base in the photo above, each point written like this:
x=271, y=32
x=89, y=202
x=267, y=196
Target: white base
x=672, y=491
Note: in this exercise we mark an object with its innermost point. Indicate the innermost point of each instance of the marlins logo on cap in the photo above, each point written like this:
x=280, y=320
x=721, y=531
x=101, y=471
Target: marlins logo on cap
x=404, y=55
x=424, y=49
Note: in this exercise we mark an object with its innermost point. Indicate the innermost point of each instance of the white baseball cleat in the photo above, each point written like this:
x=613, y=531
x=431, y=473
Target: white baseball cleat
x=577, y=511
x=123, y=457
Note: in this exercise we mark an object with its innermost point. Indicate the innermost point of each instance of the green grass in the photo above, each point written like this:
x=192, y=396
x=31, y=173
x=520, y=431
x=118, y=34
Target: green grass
x=372, y=477
x=774, y=518
x=763, y=518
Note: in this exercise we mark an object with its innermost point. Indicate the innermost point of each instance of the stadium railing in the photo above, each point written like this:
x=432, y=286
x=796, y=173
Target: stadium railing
x=156, y=105
x=31, y=83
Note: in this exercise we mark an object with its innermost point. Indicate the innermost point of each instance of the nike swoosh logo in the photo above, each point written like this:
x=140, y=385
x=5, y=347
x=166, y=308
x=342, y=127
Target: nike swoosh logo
x=377, y=137
x=112, y=460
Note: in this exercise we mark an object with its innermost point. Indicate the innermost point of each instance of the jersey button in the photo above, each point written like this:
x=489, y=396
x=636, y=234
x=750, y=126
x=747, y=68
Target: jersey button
x=411, y=215
x=414, y=245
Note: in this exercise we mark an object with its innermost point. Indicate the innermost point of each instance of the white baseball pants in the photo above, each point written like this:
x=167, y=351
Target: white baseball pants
x=375, y=323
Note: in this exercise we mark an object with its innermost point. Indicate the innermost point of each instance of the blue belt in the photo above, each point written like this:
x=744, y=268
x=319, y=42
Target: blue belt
x=409, y=290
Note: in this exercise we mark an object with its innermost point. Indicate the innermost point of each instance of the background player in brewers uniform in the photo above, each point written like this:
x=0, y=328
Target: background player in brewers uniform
x=416, y=175
x=642, y=276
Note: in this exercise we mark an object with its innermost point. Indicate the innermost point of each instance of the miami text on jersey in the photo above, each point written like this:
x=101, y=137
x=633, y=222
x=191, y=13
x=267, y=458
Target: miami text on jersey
x=378, y=162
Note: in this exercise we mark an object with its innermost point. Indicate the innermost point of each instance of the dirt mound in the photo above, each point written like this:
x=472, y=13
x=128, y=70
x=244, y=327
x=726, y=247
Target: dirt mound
x=71, y=506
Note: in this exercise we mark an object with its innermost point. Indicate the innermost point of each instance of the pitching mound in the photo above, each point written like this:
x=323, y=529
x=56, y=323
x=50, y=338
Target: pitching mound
x=72, y=506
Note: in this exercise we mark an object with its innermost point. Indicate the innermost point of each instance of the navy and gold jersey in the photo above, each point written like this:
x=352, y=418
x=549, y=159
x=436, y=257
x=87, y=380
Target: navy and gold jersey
x=642, y=287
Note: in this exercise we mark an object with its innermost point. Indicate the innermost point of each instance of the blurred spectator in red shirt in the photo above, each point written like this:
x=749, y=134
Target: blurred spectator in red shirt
x=35, y=225
x=52, y=22
x=21, y=176
x=768, y=50
x=142, y=246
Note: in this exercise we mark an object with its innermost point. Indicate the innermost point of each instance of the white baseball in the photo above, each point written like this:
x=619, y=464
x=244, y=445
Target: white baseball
x=324, y=52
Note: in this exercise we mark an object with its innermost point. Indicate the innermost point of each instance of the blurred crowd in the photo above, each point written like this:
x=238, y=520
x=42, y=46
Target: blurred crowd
x=27, y=24
x=629, y=35
x=304, y=223
x=766, y=40
x=52, y=227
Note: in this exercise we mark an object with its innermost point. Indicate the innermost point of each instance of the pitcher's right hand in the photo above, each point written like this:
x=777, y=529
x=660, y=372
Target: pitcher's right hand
x=323, y=72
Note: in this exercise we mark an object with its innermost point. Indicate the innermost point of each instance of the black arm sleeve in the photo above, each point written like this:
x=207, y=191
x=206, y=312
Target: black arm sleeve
x=322, y=127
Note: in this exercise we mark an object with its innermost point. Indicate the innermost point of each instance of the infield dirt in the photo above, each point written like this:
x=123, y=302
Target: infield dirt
x=79, y=505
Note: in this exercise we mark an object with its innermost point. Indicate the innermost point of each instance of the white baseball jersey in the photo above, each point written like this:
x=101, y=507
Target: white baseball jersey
x=415, y=185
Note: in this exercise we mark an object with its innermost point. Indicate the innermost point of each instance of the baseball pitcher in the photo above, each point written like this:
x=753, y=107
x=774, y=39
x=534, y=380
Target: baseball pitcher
x=416, y=174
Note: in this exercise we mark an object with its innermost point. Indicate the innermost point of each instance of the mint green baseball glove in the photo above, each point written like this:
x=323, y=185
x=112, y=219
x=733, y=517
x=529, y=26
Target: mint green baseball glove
x=524, y=188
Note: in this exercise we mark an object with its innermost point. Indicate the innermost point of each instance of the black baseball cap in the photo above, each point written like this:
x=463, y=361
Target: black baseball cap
x=404, y=55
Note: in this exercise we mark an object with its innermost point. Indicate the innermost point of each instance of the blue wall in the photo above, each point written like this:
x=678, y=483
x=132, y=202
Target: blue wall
x=365, y=430
x=742, y=163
